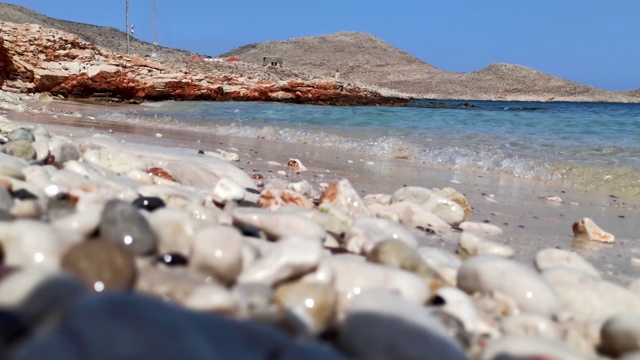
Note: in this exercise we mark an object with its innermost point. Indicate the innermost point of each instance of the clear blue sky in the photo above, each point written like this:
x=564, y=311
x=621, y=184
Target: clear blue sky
x=595, y=42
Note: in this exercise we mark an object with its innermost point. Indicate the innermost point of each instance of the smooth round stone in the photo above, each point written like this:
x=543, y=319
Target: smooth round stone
x=18, y=285
x=312, y=304
x=31, y=243
x=383, y=325
x=620, y=334
x=277, y=225
x=550, y=258
x=218, y=251
x=211, y=298
x=458, y=304
x=526, y=346
x=480, y=228
x=291, y=257
x=329, y=222
x=486, y=273
x=83, y=222
x=172, y=284
x=149, y=203
x=446, y=209
x=227, y=190
x=122, y=223
x=352, y=276
x=442, y=262
x=21, y=149
x=63, y=151
x=412, y=194
x=458, y=198
x=117, y=161
x=41, y=133
x=21, y=134
x=323, y=274
x=473, y=245
x=12, y=166
x=175, y=229
x=365, y=233
x=399, y=255
x=101, y=265
x=591, y=297
x=413, y=215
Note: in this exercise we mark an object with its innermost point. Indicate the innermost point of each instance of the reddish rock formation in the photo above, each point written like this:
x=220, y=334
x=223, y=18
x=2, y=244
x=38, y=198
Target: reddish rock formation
x=37, y=59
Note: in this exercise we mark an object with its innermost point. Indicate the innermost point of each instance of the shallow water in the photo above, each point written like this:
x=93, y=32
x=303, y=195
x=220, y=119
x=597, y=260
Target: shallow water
x=589, y=145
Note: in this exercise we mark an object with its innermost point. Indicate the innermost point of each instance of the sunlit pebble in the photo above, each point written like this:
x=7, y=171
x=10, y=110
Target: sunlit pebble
x=158, y=135
x=110, y=131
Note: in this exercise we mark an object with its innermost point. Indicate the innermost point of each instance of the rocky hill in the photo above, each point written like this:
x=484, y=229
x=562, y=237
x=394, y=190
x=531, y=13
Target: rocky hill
x=34, y=59
x=366, y=59
x=360, y=58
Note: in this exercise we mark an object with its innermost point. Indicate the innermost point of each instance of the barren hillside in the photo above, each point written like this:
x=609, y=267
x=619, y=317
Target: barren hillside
x=366, y=59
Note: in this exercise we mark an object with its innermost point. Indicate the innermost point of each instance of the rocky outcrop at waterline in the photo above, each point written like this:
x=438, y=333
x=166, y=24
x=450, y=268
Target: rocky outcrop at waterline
x=37, y=59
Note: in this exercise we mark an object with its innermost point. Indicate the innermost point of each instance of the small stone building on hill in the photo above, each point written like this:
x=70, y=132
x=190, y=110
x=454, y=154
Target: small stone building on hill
x=272, y=61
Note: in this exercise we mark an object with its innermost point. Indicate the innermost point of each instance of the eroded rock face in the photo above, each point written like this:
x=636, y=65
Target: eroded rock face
x=38, y=59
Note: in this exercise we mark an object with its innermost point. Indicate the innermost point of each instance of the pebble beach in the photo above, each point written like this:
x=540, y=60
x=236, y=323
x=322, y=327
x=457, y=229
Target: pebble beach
x=128, y=242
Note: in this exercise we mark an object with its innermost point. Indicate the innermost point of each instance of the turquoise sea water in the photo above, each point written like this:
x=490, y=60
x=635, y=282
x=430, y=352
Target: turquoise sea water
x=585, y=144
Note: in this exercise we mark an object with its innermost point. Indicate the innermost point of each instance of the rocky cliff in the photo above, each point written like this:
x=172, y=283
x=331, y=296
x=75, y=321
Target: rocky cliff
x=38, y=59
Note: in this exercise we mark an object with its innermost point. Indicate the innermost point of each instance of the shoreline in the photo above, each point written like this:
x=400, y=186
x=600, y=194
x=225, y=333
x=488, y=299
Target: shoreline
x=517, y=205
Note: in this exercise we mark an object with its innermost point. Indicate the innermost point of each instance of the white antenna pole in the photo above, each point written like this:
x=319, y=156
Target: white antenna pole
x=127, y=28
x=154, y=53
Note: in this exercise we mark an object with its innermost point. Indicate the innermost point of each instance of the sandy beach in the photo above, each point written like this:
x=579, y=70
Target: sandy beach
x=518, y=206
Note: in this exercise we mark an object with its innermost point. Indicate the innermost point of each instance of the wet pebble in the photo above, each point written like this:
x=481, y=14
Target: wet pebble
x=487, y=273
x=103, y=266
x=473, y=245
x=291, y=257
x=21, y=149
x=122, y=223
x=620, y=334
x=218, y=251
x=550, y=258
x=312, y=305
x=21, y=134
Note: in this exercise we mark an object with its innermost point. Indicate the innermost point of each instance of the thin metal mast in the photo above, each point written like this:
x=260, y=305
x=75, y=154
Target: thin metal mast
x=127, y=28
x=154, y=53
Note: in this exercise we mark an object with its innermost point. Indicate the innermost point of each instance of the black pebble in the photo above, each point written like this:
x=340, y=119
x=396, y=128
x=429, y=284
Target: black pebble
x=13, y=328
x=521, y=226
x=173, y=259
x=252, y=191
x=201, y=152
x=23, y=194
x=621, y=216
x=149, y=203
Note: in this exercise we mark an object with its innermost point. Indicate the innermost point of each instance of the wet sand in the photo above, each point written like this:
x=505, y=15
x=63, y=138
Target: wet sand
x=529, y=222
